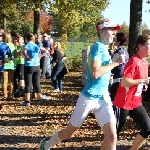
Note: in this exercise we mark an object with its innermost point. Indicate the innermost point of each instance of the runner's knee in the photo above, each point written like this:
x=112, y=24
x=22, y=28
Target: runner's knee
x=111, y=138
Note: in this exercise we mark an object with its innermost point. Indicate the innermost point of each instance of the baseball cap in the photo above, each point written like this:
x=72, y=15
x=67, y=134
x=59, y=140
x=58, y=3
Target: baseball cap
x=106, y=24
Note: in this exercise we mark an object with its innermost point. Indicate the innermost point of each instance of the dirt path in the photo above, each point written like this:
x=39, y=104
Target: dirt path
x=22, y=128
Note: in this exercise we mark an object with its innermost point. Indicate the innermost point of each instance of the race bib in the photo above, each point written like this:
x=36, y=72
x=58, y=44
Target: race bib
x=139, y=89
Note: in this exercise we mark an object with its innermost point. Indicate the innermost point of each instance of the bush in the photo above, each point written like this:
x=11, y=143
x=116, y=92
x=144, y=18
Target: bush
x=74, y=63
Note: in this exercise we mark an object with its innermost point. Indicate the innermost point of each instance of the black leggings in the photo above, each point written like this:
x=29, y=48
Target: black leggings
x=139, y=116
x=32, y=75
x=18, y=75
x=113, y=90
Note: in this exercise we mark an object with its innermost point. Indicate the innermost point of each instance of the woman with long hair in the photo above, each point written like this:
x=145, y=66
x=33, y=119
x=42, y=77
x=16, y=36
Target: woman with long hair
x=57, y=66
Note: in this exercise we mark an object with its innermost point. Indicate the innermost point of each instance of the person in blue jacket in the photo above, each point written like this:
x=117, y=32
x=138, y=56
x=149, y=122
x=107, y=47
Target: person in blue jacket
x=4, y=50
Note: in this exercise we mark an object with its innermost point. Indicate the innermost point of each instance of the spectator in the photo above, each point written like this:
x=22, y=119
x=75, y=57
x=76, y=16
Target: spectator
x=8, y=69
x=40, y=44
x=32, y=68
x=4, y=50
x=19, y=72
x=39, y=40
x=14, y=35
x=128, y=99
x=57, y=66
x=51, y=47
x=45, y=60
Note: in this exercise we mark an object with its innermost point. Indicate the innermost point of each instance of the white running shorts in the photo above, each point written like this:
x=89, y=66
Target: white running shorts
x=103, y=112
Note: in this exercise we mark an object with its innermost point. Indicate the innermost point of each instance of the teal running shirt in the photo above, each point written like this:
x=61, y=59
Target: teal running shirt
x=95, y=88
x=33, y=53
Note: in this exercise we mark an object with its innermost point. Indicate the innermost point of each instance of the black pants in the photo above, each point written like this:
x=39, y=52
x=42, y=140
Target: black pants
x=113, y=90
x=32, y=75
x=139, y=116
x=18, y=75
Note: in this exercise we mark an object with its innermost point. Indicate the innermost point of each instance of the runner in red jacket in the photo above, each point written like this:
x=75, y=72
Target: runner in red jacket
x=128, y=100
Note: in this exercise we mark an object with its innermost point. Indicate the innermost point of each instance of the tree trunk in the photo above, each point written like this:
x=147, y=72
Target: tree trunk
x=36, y=21
x=135, y=28
x=4, y=23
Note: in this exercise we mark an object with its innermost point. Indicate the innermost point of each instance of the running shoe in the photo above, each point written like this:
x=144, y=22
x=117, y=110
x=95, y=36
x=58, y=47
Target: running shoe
x=56, y=90
x=25, y=103
x=42, y=143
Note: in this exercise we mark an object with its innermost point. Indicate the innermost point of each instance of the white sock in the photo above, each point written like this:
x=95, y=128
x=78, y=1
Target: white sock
x=52, y=141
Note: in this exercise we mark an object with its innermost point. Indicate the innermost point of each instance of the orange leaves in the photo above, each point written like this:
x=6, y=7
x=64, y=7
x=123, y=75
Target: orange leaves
x=24, y=127
x=46, y=21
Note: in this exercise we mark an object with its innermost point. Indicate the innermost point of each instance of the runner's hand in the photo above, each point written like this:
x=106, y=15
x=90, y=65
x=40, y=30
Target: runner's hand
x=145, y=81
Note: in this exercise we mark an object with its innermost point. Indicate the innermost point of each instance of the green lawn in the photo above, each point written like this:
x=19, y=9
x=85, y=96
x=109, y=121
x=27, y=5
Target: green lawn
x=75, y=48
x=148, y=59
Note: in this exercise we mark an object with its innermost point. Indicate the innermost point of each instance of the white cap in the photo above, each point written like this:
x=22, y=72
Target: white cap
x=107, y=24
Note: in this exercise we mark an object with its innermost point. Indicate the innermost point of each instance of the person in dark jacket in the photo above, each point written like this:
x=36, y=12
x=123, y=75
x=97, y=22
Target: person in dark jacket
x=120, y=42
x=57, y=67
x=112, y=48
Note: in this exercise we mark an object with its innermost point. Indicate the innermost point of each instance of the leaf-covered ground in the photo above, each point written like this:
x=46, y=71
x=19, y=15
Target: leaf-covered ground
x=22, y=128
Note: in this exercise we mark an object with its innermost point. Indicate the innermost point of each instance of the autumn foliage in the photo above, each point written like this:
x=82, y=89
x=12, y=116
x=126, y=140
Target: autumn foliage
x=46, y=21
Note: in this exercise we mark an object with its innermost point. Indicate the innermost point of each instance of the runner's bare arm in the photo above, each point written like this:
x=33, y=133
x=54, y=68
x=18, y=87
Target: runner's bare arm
x=97, y=70
x=25, y=53
x=127, y=82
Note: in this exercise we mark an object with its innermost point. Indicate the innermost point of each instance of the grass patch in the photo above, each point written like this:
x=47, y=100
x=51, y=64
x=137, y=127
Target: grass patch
x=148, y=59
x=75, y=48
